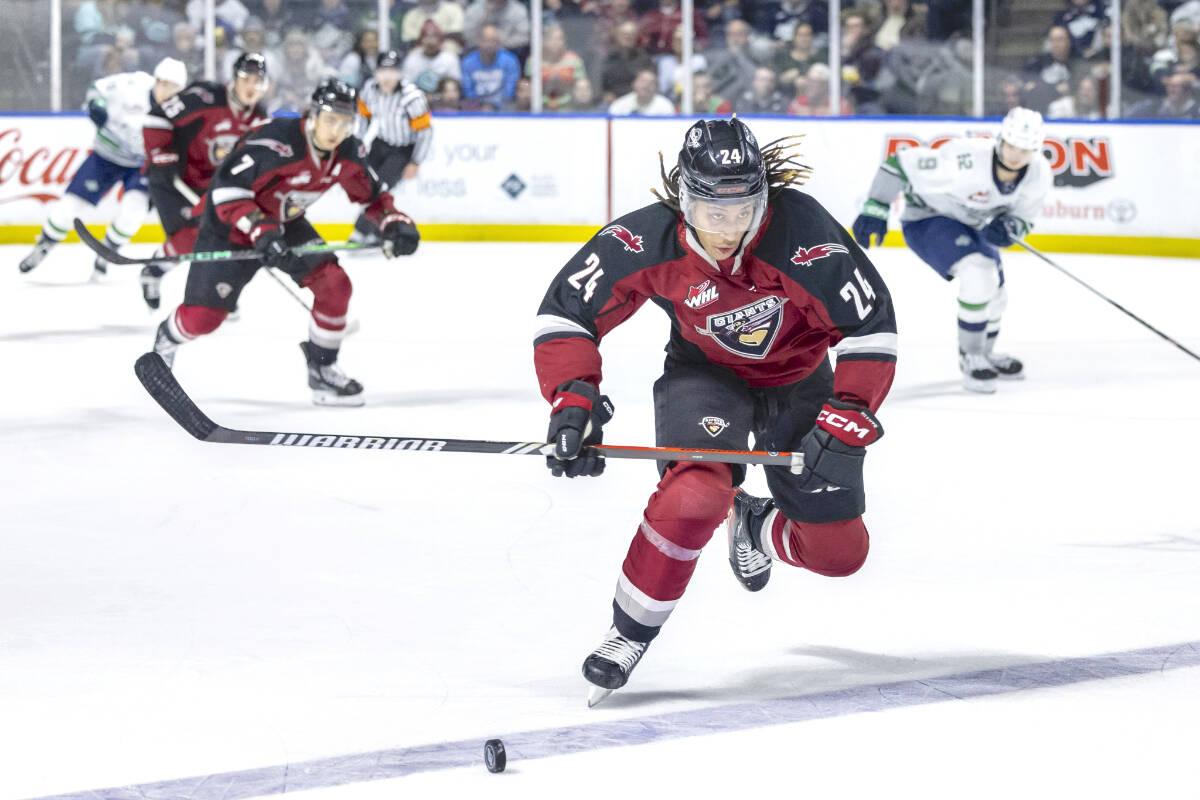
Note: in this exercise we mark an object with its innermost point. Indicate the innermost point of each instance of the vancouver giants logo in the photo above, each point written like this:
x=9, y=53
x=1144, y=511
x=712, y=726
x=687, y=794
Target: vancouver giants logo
x=293, y=203
x=713, y=426
x=805, y=257
x=219, y=147
x=700, y=296
x=632, y=243
x=747, y=331
x=1074, y=161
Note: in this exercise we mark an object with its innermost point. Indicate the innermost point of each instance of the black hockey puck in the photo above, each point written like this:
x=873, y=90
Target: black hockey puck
x=493, y=755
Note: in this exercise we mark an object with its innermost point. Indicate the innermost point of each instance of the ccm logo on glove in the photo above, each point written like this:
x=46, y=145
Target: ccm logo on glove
x=849, y=423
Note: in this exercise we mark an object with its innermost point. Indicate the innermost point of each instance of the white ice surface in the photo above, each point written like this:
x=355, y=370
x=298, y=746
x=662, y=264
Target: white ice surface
x=171, y=609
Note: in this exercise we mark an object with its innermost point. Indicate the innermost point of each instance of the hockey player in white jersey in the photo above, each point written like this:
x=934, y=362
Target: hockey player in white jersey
x=965, y=201
x=117, y=105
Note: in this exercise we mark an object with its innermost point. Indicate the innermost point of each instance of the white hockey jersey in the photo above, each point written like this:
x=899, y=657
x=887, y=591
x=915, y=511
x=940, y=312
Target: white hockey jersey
x=956, y=181
x=127, y=98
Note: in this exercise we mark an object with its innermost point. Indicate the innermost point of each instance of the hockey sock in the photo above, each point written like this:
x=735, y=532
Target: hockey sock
x=833, y=549
x=188, y=322
x=690, y=502
x=331, y=300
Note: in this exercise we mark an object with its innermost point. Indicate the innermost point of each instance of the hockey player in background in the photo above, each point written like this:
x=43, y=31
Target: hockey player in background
x=759, y=282
x=257, y=199
x=186, y=140
x=400, y=130
x=118, y=105
x=965, y=201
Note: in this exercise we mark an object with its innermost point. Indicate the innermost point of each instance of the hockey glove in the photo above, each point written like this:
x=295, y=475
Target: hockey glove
x=1003, y=230
x=399, y=235
x=835, y=447
x=579, y=413
x=97, y=112
x=871, y=222
x=270, y=244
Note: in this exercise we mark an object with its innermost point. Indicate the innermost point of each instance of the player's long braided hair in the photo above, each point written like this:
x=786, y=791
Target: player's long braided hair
x=779, y=158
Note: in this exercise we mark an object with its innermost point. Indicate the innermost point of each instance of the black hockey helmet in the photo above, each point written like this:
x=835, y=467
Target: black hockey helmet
x=720, y=163
x=388, y=59
x=250, y=64
x=335, y=95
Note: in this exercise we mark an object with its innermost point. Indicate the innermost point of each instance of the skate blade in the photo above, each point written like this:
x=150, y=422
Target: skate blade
x=597, y=695
x=980, y=387
x=332, y=399
x=1020, y=376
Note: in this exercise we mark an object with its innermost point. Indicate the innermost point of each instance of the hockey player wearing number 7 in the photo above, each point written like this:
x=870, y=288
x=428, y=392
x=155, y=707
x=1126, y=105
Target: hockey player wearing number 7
x=257, y=199
x=760, y=282
x=963, y=202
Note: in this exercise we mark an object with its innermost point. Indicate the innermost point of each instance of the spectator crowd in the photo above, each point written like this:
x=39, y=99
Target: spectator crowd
x=626, y=56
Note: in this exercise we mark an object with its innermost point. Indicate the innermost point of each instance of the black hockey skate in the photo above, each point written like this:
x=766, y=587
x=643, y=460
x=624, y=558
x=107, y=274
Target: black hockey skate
x=1006, y=367
x=165, y=345
x=330, y=385
x=610, y=664
x=40, y=249
x=751, y=566
x=151, y=280
x=978, y=373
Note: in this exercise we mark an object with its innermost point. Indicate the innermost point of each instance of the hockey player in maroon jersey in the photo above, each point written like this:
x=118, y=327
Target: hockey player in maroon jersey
x=187, y=138
x=257, y=199
x=760, y=283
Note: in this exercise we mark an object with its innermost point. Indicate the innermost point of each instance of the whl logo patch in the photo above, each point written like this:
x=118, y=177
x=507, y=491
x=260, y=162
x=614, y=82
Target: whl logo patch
x=632, y=243
x=747, y=331
x=700, y=296
x=713, y=426
x=805, y=256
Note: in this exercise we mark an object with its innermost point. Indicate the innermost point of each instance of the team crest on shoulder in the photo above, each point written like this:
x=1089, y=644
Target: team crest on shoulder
x=276, y=145
x=632, y=243
x=806, y=256
x=700, y=296
x=747, y=331
x=713, y=426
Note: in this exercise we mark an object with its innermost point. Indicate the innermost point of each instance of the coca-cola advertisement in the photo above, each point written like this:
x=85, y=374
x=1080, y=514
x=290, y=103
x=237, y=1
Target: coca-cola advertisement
x=38, y=157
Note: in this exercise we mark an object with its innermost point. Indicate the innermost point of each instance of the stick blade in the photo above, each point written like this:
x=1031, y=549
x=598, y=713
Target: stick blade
x=156, y=376
x=107, y=253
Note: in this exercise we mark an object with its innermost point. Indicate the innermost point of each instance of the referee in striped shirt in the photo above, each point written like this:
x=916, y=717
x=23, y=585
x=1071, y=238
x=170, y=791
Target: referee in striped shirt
x=400, y=130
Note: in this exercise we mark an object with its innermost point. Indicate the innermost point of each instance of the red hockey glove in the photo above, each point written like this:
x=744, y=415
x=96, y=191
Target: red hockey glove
x=849, y=423
x=578, y=415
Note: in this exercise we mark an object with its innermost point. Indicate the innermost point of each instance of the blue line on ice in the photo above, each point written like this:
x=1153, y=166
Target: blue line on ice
x=528, y=745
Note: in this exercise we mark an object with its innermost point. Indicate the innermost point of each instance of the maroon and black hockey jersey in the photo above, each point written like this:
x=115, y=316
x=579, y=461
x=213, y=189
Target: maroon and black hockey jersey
x=275, y=172
x=190, y=134
x=771, y=313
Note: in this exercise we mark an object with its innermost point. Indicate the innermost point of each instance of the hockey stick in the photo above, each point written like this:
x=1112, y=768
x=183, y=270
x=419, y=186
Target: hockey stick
x=159, y=381
x=1118, y=306
x=113, y=257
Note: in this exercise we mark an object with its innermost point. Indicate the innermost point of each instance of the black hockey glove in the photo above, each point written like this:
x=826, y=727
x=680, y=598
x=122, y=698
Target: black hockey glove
x=1003, y=230
x=97, y=112
x=270, y=244
x=835, y=447
x=579, y=413
x=871, y=222
x=399, y=234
